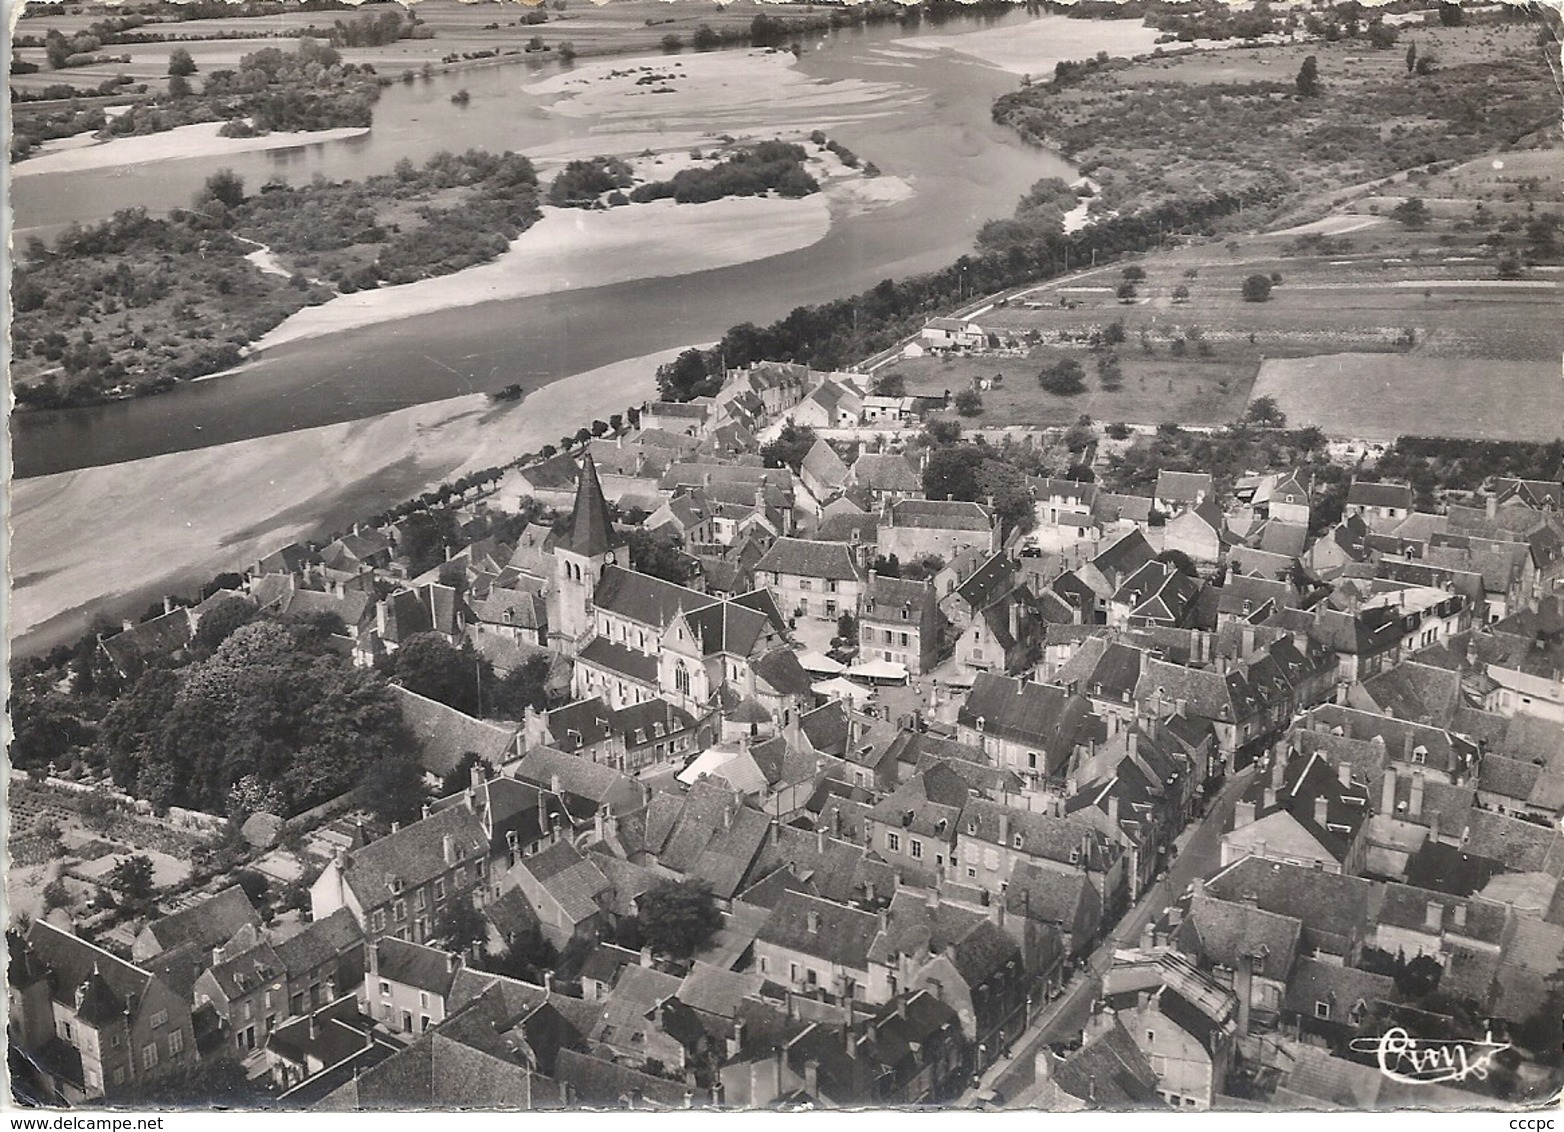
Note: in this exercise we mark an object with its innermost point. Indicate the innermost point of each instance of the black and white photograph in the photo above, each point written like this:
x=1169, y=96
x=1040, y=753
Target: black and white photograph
x=633, y=556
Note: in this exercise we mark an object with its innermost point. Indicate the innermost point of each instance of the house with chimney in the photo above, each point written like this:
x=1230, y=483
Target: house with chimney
x=1381, y=506
x=1244, y=948
x=993, y=839
x=820, y=580
x=1184, y=1022
x=92, y=1027
x=563, y=887
x=916, y=824
x=921, y=528
x=397, y=885
x=900, y=623
x=1302, y=811
x=406, y=984
x=1177, y=492
x=817, y=947
x=1032, y=729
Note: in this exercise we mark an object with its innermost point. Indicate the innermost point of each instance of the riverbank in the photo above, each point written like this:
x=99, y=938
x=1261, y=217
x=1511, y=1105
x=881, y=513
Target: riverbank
x=1033, y=48
x=198, y=140
x=218, y=508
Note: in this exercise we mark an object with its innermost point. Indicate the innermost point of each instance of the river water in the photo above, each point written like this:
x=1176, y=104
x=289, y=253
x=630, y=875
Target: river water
x=936, y=133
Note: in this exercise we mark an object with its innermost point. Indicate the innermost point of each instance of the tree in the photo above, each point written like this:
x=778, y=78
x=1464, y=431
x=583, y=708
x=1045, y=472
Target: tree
x=789, y=448
x=522, y=687
x=55, y=895
x=686, y=377
x=220, y=621
x=678, y=918
x=672, y=43
x=847, y=628
x=952, y=472
x=431, y=666
x=132, y=876
x=1134, y=273
x=706, y=39
x=1427, y=63
x=98, y=811
x=1265, y=413
x=1382, y=35
x=526, y=956
x=180, y=62
x=460, y=776
x=658, y=554
x=1257, y=288
x=889, y=385
x=1181, y=294
x=1451, y=15
x=459, y=926
x=225, y=187
x=887, y=567
x=941, y=430
x=425, y=537
x=1118, y=430
x=1126, y=292
x=969, y=402
x=1412, y=213
x=1064, y=378
x=392, y=787
x=179, y=87
x=1411, y=57
x=1308, y=79
x=1079, y=435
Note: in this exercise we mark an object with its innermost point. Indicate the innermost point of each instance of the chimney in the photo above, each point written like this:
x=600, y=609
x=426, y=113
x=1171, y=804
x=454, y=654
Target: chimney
x=1278, y=770
x=812, y=1077
x=1243, y=814
x=885, y=921
x=1321, y=808
x=646, y=956
x=813, y=920
x=1417, y=794
x=426, y=809
x=1387, y=794
x=1460, y=915
x=1492, y=506
x=448, y=847
x=933, y=899
x=1197, y=888
x=1004, y=828
x=396, y=827
x=1113, y=810
x=1148, y=936
x=1243, y=987
x=1043, y=1065
x=372, y=953
x=820, y=841
x=1133, y=742
x=1434, y=916
x=548, y=982
x=452, y=961
x=314, y=1031
x=553, y=783
x=1344, y=774
x=1246, y=634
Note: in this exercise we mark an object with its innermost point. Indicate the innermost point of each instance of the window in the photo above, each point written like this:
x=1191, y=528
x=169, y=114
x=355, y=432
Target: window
x=399, y=910
x=1016, y=841
x=149, y=1055
x=1031, y=760
x=176, y=1042
x=159, y=1019
x=905, y=640
x=1151, y=1037
x=439, y=888
x=418, y=899
x=1322, y=1010
x=423, y=1022
x=385, y=989
x=917, y=849
x=792, y=972
x=893, y=842
x=423, y=1000
x=65, y=1030
x=764, y=965
x=377, y=920
x=119, y=1075
x=971, y=872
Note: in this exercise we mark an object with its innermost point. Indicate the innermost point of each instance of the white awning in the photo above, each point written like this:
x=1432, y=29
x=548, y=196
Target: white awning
x=843, y=689
x=819, y=662
x=884, y=671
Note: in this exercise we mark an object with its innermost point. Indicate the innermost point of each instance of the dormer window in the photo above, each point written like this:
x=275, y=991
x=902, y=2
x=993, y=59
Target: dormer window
x=1016, y=841
x=972, y=827
x=1075, y=856
x=1420, y=754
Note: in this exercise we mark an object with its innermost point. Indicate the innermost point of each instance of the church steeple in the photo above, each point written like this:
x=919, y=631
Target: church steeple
x=590, y=534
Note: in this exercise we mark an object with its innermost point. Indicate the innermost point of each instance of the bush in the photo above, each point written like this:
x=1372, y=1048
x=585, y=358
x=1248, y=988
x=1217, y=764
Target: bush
x=1118, y=430
x=1257, y=288
x=1064, y=378
x=969, y=402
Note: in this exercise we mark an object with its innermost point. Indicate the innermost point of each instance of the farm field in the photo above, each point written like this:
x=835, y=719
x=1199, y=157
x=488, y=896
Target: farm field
x=1379, y=397
x=459, y=29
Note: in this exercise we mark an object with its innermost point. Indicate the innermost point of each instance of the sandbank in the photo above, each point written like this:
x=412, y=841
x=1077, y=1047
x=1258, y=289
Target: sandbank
x=175, y=520
x=198, y=140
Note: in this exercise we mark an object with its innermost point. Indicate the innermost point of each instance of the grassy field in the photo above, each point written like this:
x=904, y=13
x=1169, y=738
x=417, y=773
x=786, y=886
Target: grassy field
x=1372, y=396
x=624, y=26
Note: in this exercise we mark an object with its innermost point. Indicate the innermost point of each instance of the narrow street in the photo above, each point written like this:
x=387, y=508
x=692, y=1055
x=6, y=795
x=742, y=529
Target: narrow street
x=1198, y=855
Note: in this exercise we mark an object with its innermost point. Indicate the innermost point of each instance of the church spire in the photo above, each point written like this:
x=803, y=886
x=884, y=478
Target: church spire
x=590, y=534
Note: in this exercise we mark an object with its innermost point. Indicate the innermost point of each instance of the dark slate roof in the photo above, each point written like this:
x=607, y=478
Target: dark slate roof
x=1041, y=835
x=828, y=728
x=842, y=936
x=1341, y=987
x=74, y=964
x=944, y=515
x=445, y=734
x=643, y=598
x=164, y=635
x=780, y=669
x=569, y=877
x=416, y=965
x=617, y=658
x=1327, y=903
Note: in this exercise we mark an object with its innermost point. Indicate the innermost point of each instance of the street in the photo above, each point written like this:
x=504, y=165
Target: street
x=1198, y=855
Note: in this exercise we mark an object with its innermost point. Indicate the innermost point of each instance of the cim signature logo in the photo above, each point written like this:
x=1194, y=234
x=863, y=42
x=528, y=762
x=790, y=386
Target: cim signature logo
x=1430, y=1061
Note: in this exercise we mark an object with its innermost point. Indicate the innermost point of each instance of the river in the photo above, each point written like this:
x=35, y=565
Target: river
x=919, y=115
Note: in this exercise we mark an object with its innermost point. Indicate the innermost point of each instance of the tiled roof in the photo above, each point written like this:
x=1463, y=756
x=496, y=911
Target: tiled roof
x=800, y=558
x=643, y=598
x=1406, y=906
x=444, y=734
x=413, y=855
x=1380, y=495
x=886, y=473
x=1048, y=895
x=994, y=579
x=1328, y=904
x=827, y=728
x=716, y=990
x=850, y=529
x=1065, y=840
x=206, y=924
x=620, y=660
x=72, y=963
x=780, y=669
x=841, y=935
x=1221, y=931
x=728, y=627
x=1341, y=988
x=1518, y=845
x=715, y=837
x=320, y=942
x=1183, y=487
x=945, y=515
x=1111, y=1072
x=164, y=635
x=415, y=965
x=570, y=878
x=1025, y=712
x=886, y=599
